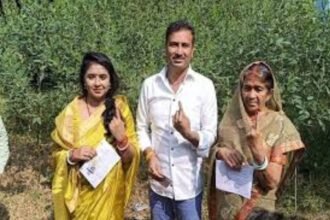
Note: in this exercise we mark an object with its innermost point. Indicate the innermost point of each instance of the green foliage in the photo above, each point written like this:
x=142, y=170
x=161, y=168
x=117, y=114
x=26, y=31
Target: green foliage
x=43, y=43
x=308, y=198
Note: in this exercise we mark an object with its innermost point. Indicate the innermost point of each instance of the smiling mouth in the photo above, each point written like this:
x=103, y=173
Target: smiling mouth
x=253, y=104
x=97, y=91
x=178, y=61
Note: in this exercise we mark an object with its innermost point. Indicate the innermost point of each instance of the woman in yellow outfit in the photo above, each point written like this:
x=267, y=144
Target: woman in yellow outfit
x=90, y=118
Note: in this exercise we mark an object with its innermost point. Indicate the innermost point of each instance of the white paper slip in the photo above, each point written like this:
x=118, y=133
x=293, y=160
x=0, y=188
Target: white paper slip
x=234, y=181
x=97, y=168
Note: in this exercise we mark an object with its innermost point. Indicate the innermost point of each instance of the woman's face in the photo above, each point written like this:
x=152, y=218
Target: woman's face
x=97, y=81
x=255, y=94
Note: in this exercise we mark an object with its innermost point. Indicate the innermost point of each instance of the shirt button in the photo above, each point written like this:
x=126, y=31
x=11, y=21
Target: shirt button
x=173, y=100
x=172, y=132
x=172, y=164
x=172, y=148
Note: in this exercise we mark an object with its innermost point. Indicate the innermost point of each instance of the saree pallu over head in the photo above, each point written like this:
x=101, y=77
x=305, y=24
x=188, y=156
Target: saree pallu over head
x=279, y=134
x=73, y=196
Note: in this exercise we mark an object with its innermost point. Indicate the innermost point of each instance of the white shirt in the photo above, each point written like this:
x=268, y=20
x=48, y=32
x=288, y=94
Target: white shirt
x=4, y=151
x=180, y=161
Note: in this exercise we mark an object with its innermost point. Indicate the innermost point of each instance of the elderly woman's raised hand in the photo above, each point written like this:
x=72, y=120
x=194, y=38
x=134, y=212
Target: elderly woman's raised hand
x=256, y=143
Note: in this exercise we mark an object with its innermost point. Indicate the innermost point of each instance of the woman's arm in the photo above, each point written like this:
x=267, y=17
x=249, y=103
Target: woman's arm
x=123, y=129
x=269, y=176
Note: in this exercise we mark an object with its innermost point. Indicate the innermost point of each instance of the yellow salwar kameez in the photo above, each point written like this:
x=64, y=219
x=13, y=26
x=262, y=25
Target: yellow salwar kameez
x=73, y=196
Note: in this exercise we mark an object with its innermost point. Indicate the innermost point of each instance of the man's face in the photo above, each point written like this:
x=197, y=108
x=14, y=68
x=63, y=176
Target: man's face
x=179, y=49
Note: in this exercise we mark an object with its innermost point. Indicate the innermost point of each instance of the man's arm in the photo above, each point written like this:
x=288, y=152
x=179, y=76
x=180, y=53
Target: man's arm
x=209, y=121
x=182, y=124
x=143, y=131
x=203, y=138
x=142, y=120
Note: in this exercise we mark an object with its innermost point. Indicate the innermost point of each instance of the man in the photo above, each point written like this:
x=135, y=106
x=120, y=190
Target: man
x=176, y=125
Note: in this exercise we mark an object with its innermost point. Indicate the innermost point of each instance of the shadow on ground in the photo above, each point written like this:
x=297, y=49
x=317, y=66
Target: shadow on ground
x=4, y=214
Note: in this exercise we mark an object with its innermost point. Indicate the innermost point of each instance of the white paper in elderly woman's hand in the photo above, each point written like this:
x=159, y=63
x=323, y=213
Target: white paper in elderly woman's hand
x=234, y=181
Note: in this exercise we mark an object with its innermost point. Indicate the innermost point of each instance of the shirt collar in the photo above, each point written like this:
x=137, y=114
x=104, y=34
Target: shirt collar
x=191, y=75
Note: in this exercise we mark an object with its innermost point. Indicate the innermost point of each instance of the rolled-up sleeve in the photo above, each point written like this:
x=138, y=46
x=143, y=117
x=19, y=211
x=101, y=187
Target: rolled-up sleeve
x=209, y=120
x=142, y=119
x=4, y=150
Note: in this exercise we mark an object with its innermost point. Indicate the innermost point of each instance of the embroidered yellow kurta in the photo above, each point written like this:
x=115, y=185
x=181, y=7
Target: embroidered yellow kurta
x=73, y=196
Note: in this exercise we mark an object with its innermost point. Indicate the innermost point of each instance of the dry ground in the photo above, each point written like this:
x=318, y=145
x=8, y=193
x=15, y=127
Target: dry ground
x=25, y=187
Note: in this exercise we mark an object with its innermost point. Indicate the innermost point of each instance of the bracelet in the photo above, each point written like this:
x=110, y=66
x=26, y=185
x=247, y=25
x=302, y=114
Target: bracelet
x=121, y=149
x=149, y=155
x=262, y=166
x=123, y=144
x=68, y=156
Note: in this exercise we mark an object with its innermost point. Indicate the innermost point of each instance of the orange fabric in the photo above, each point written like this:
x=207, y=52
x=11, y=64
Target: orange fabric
x=279, y=135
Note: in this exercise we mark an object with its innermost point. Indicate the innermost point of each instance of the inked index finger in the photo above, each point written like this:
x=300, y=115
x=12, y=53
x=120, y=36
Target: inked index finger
x=180, y=110
x=117, y=113
x=180, y=106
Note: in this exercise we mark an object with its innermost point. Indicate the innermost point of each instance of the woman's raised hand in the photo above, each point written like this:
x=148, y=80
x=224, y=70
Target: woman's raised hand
x=117, y=126
x=256, y=142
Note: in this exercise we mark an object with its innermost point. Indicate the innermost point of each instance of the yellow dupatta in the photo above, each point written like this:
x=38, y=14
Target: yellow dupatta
x=279, y=134
x=73, y=197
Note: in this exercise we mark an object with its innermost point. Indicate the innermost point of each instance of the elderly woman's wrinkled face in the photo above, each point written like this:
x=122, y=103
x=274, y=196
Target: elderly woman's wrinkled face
x=97, y=81
x=255, y=94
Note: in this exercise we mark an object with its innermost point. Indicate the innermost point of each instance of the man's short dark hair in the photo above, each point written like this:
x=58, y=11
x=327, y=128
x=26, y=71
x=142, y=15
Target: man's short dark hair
x=178, y=26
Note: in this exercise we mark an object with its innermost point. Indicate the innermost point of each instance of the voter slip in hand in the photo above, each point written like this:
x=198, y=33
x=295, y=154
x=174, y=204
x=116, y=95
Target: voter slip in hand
x=96, y=169
x=234, y=181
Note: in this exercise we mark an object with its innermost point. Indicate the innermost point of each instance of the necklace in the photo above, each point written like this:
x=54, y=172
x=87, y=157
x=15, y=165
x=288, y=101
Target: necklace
x=94, y=106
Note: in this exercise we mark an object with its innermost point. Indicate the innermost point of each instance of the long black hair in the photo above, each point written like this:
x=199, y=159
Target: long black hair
x=103, y=60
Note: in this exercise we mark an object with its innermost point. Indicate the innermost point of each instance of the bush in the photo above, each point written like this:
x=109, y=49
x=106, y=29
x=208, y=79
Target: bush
x=43, y=43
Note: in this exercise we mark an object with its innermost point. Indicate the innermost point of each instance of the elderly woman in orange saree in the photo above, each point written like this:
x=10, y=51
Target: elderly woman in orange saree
x=94, y=116
x=254, y=130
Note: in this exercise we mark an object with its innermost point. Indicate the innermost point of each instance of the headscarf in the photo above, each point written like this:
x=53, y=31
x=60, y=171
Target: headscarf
x=277, y=130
